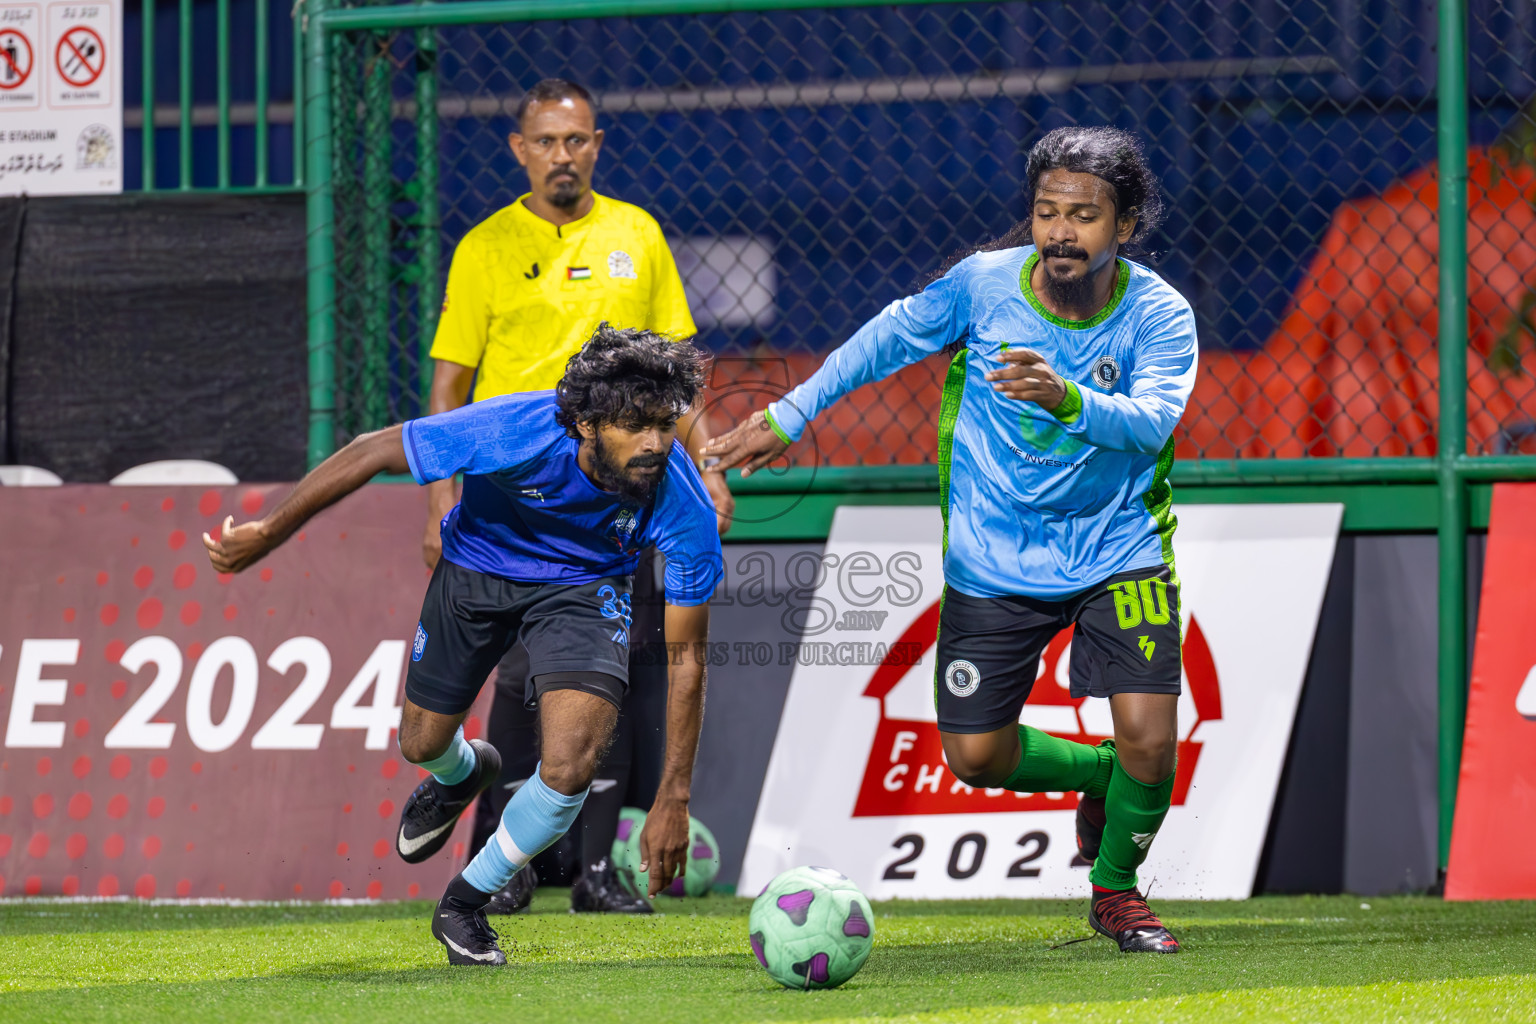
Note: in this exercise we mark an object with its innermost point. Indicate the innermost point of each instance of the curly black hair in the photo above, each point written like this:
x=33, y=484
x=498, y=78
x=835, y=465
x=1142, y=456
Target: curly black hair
x=628, y=377
x=1110, y=154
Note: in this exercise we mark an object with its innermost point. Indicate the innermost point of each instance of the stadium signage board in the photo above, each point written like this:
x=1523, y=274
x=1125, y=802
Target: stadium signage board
x=1494, y=820
x=857, y=779
x=61, y=98
x=172, y=732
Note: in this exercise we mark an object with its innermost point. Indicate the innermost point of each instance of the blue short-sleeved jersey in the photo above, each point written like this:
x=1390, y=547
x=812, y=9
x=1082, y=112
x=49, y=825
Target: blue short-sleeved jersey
x=529, y=513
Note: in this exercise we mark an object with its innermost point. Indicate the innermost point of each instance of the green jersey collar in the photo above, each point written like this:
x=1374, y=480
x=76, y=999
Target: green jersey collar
x=1122, y=279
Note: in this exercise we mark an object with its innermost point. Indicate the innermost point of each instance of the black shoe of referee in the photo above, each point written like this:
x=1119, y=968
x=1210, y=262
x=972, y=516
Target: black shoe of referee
x=518, y=894
x=426, y=820
x=597, y=891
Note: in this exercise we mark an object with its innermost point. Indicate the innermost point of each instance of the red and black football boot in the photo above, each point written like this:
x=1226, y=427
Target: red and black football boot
x=1125, y=917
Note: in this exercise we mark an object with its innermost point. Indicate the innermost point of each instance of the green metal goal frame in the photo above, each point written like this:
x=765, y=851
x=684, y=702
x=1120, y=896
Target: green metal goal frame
x=1449, y=493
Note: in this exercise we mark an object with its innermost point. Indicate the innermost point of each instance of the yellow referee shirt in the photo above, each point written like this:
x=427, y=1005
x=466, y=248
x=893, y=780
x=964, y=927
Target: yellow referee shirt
x=524, y=294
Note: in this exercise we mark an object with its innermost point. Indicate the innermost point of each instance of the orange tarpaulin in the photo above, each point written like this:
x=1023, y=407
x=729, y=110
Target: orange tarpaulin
x=1352, y=369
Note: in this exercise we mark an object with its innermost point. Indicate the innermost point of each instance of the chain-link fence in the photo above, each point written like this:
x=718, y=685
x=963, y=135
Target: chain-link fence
x=810, y=166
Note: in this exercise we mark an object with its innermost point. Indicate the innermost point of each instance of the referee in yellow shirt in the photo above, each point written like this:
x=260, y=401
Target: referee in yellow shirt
x=527, y=287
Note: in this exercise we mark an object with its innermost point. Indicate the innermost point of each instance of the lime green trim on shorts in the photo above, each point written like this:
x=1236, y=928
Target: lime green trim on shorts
x=1122, y=281
x=1159, y=504
x=1071, y=406
x=773, y=423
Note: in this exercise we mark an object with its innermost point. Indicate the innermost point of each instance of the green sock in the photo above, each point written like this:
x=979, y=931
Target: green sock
x=1049, y=764
x=1133, y=812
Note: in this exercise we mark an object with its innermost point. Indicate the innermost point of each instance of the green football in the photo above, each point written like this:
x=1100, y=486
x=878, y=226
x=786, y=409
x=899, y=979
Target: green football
x=811, y=928
x=626, y=850
x=703, y=862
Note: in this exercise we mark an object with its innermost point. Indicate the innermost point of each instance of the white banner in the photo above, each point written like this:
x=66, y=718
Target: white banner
x=857, y=779
x=61, y=98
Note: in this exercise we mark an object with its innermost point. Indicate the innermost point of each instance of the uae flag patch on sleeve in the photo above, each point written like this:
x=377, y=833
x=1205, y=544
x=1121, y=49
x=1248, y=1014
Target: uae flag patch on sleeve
x=578, y=273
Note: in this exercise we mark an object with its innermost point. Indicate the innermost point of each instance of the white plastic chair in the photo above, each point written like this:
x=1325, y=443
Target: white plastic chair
x=28, y=476
x=176, y=471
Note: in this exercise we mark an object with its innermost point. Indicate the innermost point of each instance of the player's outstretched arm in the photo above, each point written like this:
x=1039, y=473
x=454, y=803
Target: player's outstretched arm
x=750, y=445
x=664, y=839
x=239, y=547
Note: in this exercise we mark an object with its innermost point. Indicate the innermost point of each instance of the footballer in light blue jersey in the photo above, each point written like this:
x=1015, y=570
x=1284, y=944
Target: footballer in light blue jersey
x=1073, y=366
x=562, y=490
x=1040, y=504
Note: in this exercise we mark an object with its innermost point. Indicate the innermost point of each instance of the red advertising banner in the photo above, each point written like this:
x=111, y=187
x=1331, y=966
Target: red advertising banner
x=173, y=732
x=1496, y=799
x=907, y=774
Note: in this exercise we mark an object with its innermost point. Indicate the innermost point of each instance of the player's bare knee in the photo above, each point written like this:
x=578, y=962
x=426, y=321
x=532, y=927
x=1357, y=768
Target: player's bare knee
x=1148, y=759
x=975, y=761
x=568, y=771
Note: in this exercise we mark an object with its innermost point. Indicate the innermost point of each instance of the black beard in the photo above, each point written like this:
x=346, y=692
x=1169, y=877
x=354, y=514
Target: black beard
x=1070, y=293
x=613, y=477
x=566, y=194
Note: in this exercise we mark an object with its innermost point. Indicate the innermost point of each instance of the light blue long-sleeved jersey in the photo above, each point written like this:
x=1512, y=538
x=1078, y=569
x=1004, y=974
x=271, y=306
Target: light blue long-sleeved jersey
x=1035, y=504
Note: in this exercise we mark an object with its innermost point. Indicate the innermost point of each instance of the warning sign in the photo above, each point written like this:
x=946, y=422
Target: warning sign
x=61, y=104
x=15, y=59
x=78, y=34
x=18, y=56
x=81, y=56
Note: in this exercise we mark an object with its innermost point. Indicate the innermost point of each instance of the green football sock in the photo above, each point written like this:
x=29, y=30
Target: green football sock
x=1049, y=764
x=1133, y=812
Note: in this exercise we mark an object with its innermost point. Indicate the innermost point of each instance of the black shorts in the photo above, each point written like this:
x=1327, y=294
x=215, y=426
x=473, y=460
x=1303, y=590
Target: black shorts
x=1127, y=640
x=577, y=636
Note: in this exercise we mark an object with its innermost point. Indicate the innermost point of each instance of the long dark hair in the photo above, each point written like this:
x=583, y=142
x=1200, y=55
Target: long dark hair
x=1109, y=154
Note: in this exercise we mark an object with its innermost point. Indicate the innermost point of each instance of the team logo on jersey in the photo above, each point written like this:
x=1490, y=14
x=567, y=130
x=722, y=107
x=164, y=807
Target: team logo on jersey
x=620, y=264
x=1106, y=372
x=962, y=678
x=419, y=645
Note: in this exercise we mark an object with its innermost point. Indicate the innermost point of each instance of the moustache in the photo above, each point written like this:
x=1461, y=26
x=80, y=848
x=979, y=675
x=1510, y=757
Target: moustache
x=559, y=173
x=1066, y=252
x=646, y=461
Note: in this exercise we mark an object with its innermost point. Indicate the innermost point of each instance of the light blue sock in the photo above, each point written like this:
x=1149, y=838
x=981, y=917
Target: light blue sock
x=455, y=763
x=535, y=817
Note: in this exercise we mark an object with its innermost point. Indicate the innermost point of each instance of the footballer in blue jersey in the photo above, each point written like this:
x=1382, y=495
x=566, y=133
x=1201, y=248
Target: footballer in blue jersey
x=1072, y=365
x=563, y=490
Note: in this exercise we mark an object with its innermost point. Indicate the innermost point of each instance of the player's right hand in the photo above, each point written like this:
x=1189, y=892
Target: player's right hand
x=238, y=547
x=751, y=445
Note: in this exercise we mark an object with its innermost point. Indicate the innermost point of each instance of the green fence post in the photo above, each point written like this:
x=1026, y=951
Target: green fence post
x=1452, y=138
x=299, y=14
x=428, y=242
x=263, y=31
x=222, y=44
x=321, y=248
x=184, y=60
x=377, y=197
x=147, y=101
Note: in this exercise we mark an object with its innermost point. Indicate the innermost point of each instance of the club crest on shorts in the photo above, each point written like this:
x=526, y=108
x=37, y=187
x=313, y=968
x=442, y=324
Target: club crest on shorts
x=419, y=645
x=962, y=678
x=1106, y=372
x=621, y=264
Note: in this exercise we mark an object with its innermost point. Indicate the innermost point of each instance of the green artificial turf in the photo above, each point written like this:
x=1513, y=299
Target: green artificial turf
x=1270, y=959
